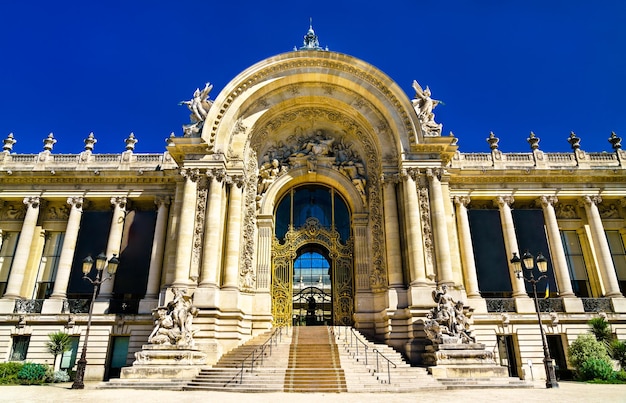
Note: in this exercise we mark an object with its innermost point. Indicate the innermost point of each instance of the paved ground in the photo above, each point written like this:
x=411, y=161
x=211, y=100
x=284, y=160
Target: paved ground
x=568, y=392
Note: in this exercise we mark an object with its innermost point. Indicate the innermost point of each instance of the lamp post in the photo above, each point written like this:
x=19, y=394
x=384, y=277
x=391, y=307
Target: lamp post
x=528, y=262
x=101, y=263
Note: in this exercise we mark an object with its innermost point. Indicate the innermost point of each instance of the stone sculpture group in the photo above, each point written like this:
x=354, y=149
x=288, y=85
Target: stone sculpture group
x=173, y=321
x=446, y=323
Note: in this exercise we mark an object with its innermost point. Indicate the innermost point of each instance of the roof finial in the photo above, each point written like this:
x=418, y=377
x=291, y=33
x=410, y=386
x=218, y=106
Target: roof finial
x=310, y=39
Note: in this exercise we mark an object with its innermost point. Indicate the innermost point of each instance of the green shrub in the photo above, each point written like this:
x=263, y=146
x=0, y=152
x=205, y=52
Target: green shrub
x=585, y=348
x=601, y=330
x=32, y=373
x=8, y=372
x=618, y=352
x=621, y=375
x=595, y=368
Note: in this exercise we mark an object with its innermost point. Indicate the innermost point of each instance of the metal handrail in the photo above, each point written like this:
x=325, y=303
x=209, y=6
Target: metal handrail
x=258, y=354
x=355, y=341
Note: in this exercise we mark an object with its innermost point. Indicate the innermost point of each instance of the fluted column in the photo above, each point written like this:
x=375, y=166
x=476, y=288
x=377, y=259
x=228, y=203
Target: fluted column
x=186, y=228
x=22, y=252
x=601, y=245
x=265, y=225
x=510, y=242
x=158, y=247
x=233, y=234
x=413, y=221
x=392, y=233
x=559, y=261
x=467, y=249
x=115, y=240
x=69, y=246
x=214, y=225
x=440, y=229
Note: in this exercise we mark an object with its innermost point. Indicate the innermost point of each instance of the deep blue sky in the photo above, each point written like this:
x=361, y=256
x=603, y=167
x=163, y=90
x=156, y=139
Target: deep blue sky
x=510, y=67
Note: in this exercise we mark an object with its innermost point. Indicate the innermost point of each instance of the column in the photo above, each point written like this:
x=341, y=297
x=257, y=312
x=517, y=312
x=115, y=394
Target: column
x=265, y=225
x=233, y=234
x=158, y=247
x=22, y=252
x=69, y=246
x=392, y=233
x=510, y=242
x=414, y=229
x=467, y=249
x=440, y=229
x=186, y=228
x=559, y=261
x=115, y=241
x=213, y=227
x=601, y=245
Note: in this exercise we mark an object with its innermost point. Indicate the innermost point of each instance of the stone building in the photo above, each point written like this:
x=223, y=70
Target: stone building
x=310, y=190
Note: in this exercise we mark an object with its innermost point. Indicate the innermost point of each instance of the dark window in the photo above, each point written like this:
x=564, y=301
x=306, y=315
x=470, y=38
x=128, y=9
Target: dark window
x=92, y=239
x=576, y=263
x=619, y=257
x=492, y=266
x=7, y=251
x=49, y=264
x=19, y=348
x=309, y=201
x=531, y=235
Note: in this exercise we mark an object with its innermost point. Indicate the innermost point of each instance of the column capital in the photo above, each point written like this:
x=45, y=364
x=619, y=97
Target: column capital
x=500, y=201
x=33, y=201
x=461, y=200
x=546, y=201
x=588, y=200
x=120, y=202
x=238, y=180
x=412, y=173
x=191, y=174
x=434, y=173
x=76, y=202
x=162, y=200
x=390, y=178
x=219, y=174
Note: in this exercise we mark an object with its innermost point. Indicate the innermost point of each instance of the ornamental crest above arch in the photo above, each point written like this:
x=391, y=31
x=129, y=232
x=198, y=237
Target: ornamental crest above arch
x=342, y=65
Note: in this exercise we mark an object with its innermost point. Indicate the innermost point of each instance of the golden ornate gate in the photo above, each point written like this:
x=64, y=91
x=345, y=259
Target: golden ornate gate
x=283, y=257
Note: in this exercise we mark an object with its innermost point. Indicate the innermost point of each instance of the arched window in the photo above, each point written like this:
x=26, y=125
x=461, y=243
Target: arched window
x=316, y=201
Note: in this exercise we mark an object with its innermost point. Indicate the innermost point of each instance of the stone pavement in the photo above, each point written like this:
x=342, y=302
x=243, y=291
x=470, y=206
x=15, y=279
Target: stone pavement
x=568, y=392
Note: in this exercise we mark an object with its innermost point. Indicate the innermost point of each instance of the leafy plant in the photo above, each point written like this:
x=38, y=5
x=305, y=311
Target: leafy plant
x=595, y=368
x=8, y=372
x=32, y=373
x=60, y=376
x=586, y=347
x=618, y=353
x=58, y=343
x=601, y=330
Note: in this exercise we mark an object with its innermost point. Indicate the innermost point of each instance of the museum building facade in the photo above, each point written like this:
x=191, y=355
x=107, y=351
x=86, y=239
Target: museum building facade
x=311, y=179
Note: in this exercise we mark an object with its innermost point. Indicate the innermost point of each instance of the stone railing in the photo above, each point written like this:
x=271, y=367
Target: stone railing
x=597, y=304
x=46, y=161
x=500, y=304
x=28, y=306
x=539, y=160
x=551, y=305
x=76, y=305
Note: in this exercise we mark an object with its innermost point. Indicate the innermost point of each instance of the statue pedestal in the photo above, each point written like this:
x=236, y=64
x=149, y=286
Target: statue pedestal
x=457, y=360
x=165, y=362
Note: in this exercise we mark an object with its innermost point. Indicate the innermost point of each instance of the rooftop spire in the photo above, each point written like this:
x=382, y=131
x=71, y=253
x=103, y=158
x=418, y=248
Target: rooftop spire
x=310, y=39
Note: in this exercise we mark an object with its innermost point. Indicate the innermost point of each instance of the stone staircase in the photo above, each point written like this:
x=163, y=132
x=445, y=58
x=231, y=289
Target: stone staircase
x=314, y=363
x=316, y=359
x=367, y=371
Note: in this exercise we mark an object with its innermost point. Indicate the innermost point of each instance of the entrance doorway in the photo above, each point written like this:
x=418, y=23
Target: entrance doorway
x=507, y=353
x=312, y=266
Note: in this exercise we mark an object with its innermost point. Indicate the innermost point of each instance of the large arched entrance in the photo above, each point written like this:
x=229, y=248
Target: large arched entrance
x=312, y=267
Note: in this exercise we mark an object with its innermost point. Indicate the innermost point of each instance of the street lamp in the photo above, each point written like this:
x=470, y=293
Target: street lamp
x=528, y=262
x=101, y=263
